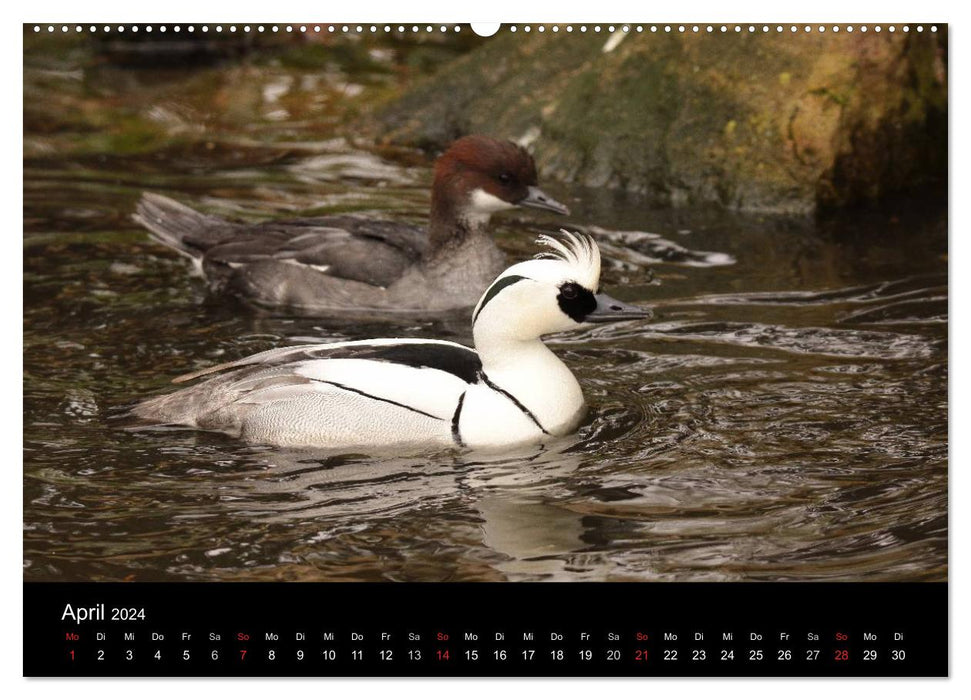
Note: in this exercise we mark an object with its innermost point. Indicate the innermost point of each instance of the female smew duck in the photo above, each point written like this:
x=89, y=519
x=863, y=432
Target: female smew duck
x=344, y=261
x=511, y=389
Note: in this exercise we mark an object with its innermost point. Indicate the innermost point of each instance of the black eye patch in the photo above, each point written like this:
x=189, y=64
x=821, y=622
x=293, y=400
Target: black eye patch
x=576, y=301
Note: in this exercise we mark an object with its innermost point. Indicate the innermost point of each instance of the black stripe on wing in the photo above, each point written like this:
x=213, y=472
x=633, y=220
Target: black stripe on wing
x=377, y=398
x=457, y=360
x=462, y=362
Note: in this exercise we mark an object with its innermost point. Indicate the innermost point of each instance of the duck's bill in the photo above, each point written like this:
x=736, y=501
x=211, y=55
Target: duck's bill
x=537, y=199
x=610, y=309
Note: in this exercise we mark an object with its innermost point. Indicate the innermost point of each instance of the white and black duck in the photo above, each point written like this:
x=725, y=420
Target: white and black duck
x=510, y=389
x=348, y=261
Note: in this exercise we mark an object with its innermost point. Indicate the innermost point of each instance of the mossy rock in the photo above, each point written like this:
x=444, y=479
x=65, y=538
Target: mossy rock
x=775, y=122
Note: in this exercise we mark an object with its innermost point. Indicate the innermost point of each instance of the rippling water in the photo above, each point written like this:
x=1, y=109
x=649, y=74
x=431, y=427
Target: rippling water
x=783, y=416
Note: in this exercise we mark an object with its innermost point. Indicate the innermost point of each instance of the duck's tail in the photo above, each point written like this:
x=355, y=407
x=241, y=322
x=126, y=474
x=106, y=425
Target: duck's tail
x=205, y=405
x=177, y=226
x=178, y=408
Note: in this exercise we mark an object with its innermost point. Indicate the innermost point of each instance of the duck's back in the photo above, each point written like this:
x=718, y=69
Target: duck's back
x=296, y=262
x=368, y=392
x=372, y=251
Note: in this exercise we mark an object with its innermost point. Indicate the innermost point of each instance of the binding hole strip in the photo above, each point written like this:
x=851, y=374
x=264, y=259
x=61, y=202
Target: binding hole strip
x=513, y=28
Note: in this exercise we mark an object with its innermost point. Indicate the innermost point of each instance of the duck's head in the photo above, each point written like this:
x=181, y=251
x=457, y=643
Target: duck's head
x=479, y=176
x=556, y=291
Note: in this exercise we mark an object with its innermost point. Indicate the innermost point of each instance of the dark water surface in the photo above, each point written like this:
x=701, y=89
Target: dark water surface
x=784, y=415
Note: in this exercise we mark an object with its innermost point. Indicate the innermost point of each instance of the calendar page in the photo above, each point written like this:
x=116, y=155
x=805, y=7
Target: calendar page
x=387, y=349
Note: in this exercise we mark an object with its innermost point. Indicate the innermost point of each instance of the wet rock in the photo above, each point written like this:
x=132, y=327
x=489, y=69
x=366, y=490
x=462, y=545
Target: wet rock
x=775, y=122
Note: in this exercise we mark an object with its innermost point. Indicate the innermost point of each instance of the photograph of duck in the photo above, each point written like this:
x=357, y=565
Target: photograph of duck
x=571, y=302
x=509, y=390
x=350, y=261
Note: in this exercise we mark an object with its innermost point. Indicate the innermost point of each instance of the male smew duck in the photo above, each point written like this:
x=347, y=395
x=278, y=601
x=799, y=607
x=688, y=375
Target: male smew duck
x=510, y=389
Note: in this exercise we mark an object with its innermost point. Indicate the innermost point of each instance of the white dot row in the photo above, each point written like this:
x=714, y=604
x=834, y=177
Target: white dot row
x=361, y=29
x=316, y=28
x=712, y=29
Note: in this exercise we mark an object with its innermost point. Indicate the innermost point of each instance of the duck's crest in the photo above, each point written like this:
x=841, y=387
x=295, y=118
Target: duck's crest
x=578, y=250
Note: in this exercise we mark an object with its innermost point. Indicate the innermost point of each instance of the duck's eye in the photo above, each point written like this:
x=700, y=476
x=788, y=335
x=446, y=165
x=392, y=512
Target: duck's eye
x=505, y=178
x=576, y=301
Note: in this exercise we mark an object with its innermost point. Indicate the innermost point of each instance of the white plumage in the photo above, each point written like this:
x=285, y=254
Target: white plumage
x=578, y=251
x=511, y=389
